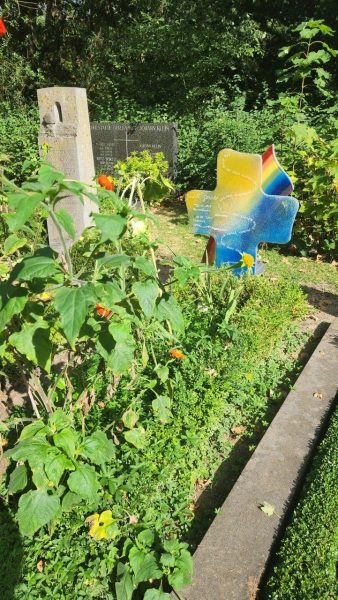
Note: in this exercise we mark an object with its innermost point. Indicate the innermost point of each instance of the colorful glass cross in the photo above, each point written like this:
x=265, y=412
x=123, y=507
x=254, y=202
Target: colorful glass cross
x=251, y=204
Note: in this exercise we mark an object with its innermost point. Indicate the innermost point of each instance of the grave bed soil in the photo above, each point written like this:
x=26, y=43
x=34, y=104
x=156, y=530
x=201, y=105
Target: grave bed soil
x=214, y=414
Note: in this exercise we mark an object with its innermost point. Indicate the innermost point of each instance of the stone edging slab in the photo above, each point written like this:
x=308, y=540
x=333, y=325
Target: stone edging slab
x=229, y=562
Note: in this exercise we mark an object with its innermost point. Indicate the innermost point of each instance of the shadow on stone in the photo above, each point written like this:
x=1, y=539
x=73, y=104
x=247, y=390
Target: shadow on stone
x=11, y=553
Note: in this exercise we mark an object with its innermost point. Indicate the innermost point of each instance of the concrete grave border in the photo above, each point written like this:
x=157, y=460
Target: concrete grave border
x=233, y=555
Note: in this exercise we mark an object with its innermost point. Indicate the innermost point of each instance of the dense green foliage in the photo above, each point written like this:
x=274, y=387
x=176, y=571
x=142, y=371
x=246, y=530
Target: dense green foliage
x=306, y=567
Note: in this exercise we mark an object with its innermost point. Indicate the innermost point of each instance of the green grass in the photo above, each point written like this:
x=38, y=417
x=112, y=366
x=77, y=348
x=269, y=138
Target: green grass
x=172, y=226
x=306, y=567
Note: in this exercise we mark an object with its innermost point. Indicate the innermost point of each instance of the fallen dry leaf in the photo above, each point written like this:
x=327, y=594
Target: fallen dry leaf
x=318, y=395
x=133, y=519
x=40, y=565
x=285, y=260
x=238, y=430
x=267, y=508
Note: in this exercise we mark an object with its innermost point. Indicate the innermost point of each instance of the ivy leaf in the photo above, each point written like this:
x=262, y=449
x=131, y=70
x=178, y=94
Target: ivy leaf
x=146, y=292
x=36, y=509
x=136, y=437
x=66, y=221
x=267, y=508
x=111, y=226
x=98, y=448
x=13, y=243
x=23, y=205
x=169, y=310
x=72, y=305
x=18, y=479
x=84, y=482
x=34, y=343
x=144, y=565
x=181, y=575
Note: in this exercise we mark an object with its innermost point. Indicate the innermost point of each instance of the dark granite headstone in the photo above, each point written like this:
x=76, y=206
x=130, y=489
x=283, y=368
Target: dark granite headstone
x=116, y=141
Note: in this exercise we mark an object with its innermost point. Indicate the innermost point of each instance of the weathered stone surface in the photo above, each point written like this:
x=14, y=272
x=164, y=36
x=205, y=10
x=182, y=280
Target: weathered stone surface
x=116, y=141
x=65, y=129
x=231, y=558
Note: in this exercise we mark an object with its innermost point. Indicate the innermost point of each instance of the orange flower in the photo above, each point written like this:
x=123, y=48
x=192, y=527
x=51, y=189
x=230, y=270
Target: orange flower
x=176, y=353
x=106, y=182
x=103, y=312
x=3, y=29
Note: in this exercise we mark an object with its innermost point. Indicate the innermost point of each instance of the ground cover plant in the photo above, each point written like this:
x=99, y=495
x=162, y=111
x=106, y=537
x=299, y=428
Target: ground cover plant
x=306, y=563
x=101, y=480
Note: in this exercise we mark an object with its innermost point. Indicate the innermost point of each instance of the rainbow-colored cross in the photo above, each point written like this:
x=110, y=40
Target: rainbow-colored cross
x=250, y=204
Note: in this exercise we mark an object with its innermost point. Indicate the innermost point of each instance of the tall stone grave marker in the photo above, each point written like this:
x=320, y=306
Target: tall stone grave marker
x=65, y=129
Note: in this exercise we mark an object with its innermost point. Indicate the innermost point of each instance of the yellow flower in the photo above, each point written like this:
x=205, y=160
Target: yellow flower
x=101, y=525
x=248, y=260
x=45, y=296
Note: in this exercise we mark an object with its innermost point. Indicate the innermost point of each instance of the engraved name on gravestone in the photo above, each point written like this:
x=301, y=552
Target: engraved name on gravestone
x=116, y=141
x=65, y=128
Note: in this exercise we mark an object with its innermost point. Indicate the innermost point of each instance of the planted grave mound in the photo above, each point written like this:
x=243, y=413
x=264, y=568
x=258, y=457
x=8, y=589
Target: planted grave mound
x=137, y=390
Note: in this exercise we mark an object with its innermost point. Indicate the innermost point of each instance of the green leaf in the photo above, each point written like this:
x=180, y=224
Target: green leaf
x=67, y=440
x=13, y=306
x=111, y=226
x=70, y=500
x=36, y=509
x=33, y=449
x=34, y=343
x=48, y=175
x=108, y=293
x=124, y=588
x=23, y=205
x=146, y=266
x=130, y=418
x=56, y=465
x=59, y=420
x=33, y=429
x=121, y=358
x=267, y=508
x=121, y=331
x=66, y=222
x=162, y=372
x=37, y=267
x=84, y=482
x=146, y=292
x=13, y=243
x=156, y=595
x=181, y=575
x=114, y=261
x=144, y=565
x=72, y=305
x=161, y=406
x=18, y=479
x=146, y=537
x=98, y=448
x=169, y=310
x=136, y=437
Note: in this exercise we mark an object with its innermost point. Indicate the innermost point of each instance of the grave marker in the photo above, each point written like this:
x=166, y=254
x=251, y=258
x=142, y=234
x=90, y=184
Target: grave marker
x=116, y=141
x=249, y=205
x=65, y=128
